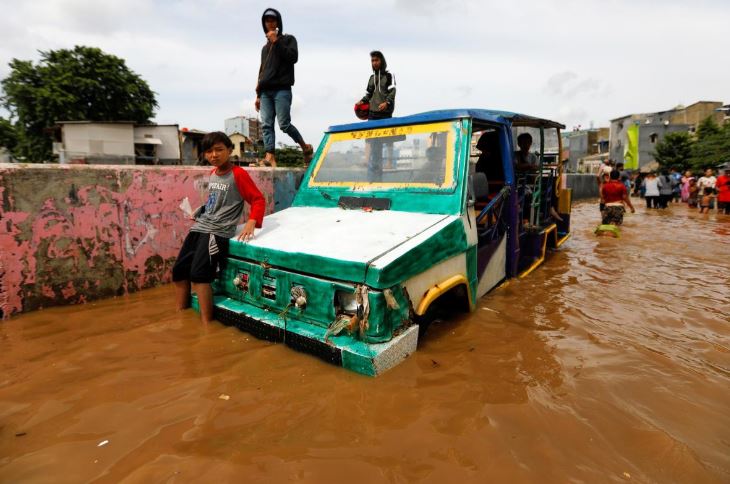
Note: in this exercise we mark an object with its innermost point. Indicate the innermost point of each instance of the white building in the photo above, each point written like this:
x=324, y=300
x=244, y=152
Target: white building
x=117, y=142
x=248, y=127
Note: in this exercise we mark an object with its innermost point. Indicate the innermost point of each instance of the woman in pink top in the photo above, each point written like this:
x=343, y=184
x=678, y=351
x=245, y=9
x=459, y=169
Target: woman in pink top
x=684, y=192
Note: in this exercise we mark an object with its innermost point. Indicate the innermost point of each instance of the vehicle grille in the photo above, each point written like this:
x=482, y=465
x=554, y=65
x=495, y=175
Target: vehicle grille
x=330, y=354
x=249, y=325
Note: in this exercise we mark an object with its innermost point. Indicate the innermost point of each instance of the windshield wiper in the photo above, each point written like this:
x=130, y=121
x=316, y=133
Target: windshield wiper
x=325, y=194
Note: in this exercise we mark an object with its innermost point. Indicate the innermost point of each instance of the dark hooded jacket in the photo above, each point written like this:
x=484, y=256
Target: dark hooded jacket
x=381, y=87
x=277, y=60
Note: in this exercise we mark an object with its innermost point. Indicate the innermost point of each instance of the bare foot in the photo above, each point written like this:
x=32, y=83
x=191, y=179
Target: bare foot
x=308, y=152
x=270, y=160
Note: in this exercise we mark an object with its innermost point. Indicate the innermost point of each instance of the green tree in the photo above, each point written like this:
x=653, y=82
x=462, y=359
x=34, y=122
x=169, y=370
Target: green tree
x=675, y=149
x=8, y=135
x=289, y=156
x=712, y=147
x=79, y=84
x=707, y=128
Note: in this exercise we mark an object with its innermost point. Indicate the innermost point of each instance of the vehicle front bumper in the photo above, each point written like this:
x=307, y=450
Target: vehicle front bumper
x=342, y=350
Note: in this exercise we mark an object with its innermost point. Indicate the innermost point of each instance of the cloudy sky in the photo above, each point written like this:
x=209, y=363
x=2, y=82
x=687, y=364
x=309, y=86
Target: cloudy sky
x=578, y=62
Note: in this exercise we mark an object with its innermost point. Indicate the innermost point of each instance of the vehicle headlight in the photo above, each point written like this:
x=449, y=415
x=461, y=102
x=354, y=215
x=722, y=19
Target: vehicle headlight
x=346, y=301
x=298, y=296
x=241, y=281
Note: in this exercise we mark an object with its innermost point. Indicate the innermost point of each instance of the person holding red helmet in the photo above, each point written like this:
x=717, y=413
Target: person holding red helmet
x=379, y=98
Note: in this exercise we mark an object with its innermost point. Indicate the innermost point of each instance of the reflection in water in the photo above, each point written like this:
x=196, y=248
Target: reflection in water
x=611, y=362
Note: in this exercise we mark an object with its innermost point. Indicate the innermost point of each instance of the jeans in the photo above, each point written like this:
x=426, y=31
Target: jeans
x=277, y=104
x=664, y=200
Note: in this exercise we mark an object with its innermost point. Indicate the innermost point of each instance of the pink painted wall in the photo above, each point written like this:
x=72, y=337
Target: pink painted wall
x=70, y=234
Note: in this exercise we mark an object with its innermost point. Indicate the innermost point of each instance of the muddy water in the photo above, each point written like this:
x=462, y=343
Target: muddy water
x=611, y=363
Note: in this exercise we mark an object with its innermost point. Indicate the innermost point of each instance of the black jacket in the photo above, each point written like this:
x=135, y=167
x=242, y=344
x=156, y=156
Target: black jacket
x=381, y=88
x=277, y=60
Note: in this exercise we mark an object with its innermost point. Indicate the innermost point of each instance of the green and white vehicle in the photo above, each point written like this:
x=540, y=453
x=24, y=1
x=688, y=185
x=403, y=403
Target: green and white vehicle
x=390, y=218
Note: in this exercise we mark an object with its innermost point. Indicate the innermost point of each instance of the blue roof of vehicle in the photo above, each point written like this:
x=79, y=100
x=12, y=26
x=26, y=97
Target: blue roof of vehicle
x=493, y=116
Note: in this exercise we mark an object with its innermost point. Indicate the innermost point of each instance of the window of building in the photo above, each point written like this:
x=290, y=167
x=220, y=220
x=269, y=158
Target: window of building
x=653, y=138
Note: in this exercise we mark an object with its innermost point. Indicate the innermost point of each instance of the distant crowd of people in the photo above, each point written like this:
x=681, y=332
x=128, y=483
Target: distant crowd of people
x=615, y=184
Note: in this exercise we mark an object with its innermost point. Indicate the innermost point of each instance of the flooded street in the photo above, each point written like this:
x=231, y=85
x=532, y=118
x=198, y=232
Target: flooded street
x=610, y=363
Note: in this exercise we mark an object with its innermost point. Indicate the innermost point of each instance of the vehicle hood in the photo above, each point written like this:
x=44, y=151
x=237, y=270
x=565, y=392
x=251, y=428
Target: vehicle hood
x=335, y=243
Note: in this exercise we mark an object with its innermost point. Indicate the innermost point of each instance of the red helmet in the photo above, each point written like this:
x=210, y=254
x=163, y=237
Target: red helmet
x=362, y=110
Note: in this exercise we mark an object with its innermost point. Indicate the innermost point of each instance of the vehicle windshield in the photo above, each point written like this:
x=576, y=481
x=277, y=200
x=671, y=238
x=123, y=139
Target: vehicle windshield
x=394, y=157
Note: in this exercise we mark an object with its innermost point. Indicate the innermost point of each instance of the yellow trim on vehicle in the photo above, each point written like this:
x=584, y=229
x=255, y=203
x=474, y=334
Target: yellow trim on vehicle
x=393, y=131
x=563, y=240
x=439, y=289
x=565, y=200
x=552, y=228
x=444, y=127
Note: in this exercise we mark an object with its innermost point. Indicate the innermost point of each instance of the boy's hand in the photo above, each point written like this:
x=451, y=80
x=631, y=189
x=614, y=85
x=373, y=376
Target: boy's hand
x=382, y=106
x=272, y=35
x=247, y=233
x=633, y=210
x=257, y=104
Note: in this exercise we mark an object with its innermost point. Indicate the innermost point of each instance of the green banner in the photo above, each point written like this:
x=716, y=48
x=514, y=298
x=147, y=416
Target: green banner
x=631, y=151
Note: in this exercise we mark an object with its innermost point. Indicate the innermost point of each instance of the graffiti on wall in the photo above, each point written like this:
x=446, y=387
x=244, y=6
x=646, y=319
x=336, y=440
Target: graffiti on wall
x=73, y=234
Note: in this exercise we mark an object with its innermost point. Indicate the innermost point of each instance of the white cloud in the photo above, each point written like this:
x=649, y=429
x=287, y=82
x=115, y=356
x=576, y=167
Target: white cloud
x=556, y=84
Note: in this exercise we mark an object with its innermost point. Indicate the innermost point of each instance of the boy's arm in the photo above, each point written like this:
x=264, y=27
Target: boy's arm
x=251, y=194
x=627, y=201
x=390, y=97
x=261, y=69
x=368, y=91
x=198, y=212
x=287, y=46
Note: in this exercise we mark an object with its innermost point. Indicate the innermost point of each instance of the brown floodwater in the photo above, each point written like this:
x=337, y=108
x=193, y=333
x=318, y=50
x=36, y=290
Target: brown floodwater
x=610, y=363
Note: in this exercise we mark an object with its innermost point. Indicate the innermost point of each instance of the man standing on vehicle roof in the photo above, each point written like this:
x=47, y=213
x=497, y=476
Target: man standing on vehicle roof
x=380, y=95
x=273, y=90
x=381, y=88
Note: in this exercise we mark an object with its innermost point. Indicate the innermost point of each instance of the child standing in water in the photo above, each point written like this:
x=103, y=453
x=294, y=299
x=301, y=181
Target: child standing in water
x=706, y=202
x=692, y=193
x=206, y=246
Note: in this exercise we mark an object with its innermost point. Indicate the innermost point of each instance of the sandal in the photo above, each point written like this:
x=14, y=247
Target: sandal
x=308, y=153
x=266, y=163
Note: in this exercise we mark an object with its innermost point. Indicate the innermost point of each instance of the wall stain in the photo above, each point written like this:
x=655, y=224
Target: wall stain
x=75, y=234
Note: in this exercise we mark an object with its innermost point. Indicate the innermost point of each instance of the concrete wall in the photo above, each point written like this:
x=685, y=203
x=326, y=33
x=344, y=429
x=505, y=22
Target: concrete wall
x=579, y=147
x=651, y=135
x=70, y=234
x=695, y=113
x=584, y=186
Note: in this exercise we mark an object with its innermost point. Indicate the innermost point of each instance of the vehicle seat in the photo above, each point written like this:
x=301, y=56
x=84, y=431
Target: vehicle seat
x=481, y=190
x=495, y=185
